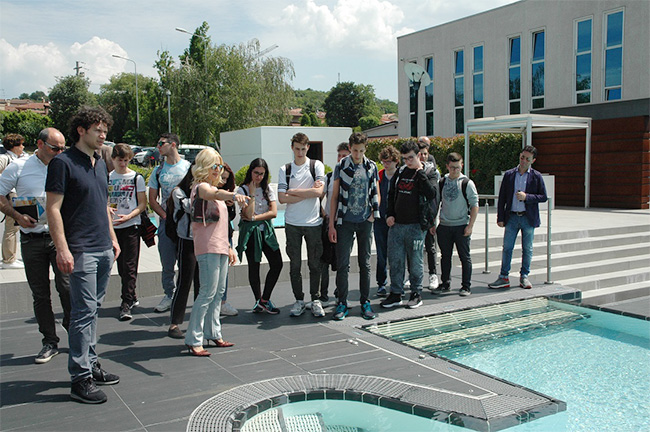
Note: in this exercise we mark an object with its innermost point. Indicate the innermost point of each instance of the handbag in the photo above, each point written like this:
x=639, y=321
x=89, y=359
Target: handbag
x=203, y=211
x=147, y=229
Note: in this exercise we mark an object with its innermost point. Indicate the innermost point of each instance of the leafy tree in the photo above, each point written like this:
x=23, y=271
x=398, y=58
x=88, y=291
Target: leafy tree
x=27, y=123
x=38, y=96
x=195, y=53
x=70, y=93
x=347, y=102
x=23, y=96
x=305, y=120
x=368, y=122
x=309, y=100
x=315, y=121
x=387, y=106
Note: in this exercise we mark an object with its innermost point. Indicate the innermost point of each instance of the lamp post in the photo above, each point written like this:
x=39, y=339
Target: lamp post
x=205, y=67
x=137, y=99
x=169, y=112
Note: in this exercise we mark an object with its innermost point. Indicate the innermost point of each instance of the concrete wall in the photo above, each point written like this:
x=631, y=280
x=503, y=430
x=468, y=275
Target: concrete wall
x=273, y=143
x=493, y=29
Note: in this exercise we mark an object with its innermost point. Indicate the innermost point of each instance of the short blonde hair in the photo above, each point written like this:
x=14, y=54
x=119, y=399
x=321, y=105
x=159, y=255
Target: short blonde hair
x=203, y=164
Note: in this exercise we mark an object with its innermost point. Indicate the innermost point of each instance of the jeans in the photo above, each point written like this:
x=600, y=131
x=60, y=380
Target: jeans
x=448, y=236
x=188, y=272
x=167, y=251
x=345, y=234
x=406, y=245
x=516, y=223
x=431, y=251
x=88, y=283
x=127, y=261
x=39, y=254
x=274, y=258
x=204, y=321
x=312, y=235
x=381, y=242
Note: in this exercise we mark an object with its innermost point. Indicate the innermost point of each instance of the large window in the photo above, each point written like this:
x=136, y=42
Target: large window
x=583, y=47
x=537, y=69
x=459, y=90
x=428, y=97
x=413, y=109
x=477, y=81
x=613, y=55
x=514, y=75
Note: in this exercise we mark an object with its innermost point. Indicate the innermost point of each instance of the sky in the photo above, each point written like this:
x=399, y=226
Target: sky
x=326, y=40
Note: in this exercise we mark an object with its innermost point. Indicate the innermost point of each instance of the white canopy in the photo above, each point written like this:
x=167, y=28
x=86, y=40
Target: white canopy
x=526, y=124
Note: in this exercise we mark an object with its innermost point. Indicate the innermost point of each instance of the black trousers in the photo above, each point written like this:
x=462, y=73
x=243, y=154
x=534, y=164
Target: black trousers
x=275, y=267
x=39, y=254
x=127, y=262
x=188, y=272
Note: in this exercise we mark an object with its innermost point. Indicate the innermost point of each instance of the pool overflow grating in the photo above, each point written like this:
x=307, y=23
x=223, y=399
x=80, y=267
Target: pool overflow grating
x=452, y=329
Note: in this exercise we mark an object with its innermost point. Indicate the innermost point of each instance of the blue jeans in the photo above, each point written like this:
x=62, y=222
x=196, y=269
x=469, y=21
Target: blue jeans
x=345, y=234
x=167, y=251
x=204, y=321
x=381, y=242
x=88, y=283
x=516, y=223
x=406, y=246
x=448, y=236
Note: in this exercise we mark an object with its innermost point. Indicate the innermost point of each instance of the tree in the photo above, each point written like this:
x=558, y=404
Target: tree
x=347, y=102
x=315, y=121
x=368, y=122
x=305, y=120
x=70, y=93
x=27, y=123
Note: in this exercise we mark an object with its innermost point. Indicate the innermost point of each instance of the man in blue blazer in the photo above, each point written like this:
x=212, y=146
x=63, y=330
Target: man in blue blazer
x=521, y=192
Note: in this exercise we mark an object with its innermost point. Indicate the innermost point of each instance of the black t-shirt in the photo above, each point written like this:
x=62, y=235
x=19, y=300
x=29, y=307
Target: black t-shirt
x=406, y=198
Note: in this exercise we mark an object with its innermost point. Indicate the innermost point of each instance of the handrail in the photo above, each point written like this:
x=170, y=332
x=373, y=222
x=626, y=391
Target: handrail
x=548, y=235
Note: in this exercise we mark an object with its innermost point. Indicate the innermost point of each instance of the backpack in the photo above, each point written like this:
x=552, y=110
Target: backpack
x=171, y=219
x=312, y=170
x=463, y=187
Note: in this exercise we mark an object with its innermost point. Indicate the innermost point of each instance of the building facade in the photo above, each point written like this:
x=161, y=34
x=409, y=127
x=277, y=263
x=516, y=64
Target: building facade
x=587, y=58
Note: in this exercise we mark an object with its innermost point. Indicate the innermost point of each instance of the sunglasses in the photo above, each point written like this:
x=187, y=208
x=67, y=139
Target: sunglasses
x=217, y=167
x=162, y=143
x=55, y=148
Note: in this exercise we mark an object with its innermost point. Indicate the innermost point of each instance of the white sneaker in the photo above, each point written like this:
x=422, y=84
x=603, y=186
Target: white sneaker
x=164, y=305
x=433, y=281
x=317, y=308
x=18, y=264
x=228, y=310
x=407, y=284
x=297, y=309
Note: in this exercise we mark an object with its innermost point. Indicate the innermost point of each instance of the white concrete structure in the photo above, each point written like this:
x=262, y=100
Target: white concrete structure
x=530, y=56
x=273, y=144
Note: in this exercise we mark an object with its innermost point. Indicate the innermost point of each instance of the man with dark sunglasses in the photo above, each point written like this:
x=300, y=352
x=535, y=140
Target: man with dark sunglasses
x=27, y=177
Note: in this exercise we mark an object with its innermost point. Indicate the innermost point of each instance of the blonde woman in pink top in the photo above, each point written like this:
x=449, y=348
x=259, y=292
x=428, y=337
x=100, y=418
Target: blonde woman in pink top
x=213, y=252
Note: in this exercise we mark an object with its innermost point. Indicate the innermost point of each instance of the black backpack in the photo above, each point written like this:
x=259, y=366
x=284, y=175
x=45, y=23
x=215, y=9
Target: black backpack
x=171, y=218
x=463, y=187
x=312, y=170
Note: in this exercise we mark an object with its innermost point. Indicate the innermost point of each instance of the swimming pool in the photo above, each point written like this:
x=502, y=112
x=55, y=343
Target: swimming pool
x=597, y=362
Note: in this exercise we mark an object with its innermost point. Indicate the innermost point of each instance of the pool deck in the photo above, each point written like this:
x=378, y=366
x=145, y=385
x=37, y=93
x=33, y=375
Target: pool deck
x=161, y=385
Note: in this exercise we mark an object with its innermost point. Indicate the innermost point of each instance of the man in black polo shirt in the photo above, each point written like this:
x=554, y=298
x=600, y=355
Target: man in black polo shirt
x=86, y=246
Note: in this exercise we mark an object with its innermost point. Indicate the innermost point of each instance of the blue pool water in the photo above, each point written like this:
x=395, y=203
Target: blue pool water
x=599, y=366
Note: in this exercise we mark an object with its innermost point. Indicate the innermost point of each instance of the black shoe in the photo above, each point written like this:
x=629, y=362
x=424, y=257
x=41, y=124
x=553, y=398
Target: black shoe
x=442, y=288
x=86, y=391
x=391, y=301
x=415, y=301
x=102, y=377
x=47, y=352
x=175, y=333
x=464, y=292
x=125, y=312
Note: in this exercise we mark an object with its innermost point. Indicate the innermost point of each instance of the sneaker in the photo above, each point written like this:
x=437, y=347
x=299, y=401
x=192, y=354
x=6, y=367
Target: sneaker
x=125, y=313
x=317, y=309
x=102, y=377
x=341, y=312
x=525, y=283
x=86, y=391
x=367, y=312
x=308, y=305
x=297, y=309
x=464, y=292
x=228, y=310
x=164, y=305
x=381, y=291
x=442, y=288
x=175, y=333
x=407, y=284
x=257, y=308
x=135, y=303
x=415, y=301
x=391, y=301
x=47, y=352
x=433, y=281
x=502, y=282
x=269, y=307
x=14, y=265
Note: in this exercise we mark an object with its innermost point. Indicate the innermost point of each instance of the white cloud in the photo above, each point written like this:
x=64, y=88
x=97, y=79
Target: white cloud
x=349, y=26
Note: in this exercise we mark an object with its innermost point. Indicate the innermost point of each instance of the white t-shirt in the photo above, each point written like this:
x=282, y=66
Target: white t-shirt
x=307, y=211
x=261, y=204
x=122, y=195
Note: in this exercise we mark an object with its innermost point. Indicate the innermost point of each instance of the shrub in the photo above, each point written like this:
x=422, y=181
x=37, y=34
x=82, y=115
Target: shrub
x=305, y=120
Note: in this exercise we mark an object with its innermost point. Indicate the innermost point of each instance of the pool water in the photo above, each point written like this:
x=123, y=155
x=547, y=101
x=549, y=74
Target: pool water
x=600, y=366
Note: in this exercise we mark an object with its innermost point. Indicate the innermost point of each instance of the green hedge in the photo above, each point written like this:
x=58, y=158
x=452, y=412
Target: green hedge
x=490, y=154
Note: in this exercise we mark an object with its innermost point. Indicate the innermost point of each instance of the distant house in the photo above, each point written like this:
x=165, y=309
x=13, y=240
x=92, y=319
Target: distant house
x=386, y=130
x=296, y=115
x=42, y=108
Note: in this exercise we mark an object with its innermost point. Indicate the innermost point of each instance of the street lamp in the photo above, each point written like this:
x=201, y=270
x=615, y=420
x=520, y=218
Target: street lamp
x=137, y=99
x=169, y=112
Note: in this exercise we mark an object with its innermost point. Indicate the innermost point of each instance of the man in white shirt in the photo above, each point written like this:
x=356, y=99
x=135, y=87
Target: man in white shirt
x=27, y=177
x=300, y=186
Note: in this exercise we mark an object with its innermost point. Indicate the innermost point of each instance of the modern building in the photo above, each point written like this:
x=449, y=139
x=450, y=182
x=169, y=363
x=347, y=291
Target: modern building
x=586, y=58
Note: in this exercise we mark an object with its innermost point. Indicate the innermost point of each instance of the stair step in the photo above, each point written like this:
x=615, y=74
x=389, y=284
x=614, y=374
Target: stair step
x=613, y=279
x=616, y=293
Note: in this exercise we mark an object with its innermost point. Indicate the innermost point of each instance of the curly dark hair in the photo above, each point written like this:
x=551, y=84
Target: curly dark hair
x=86, y=117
